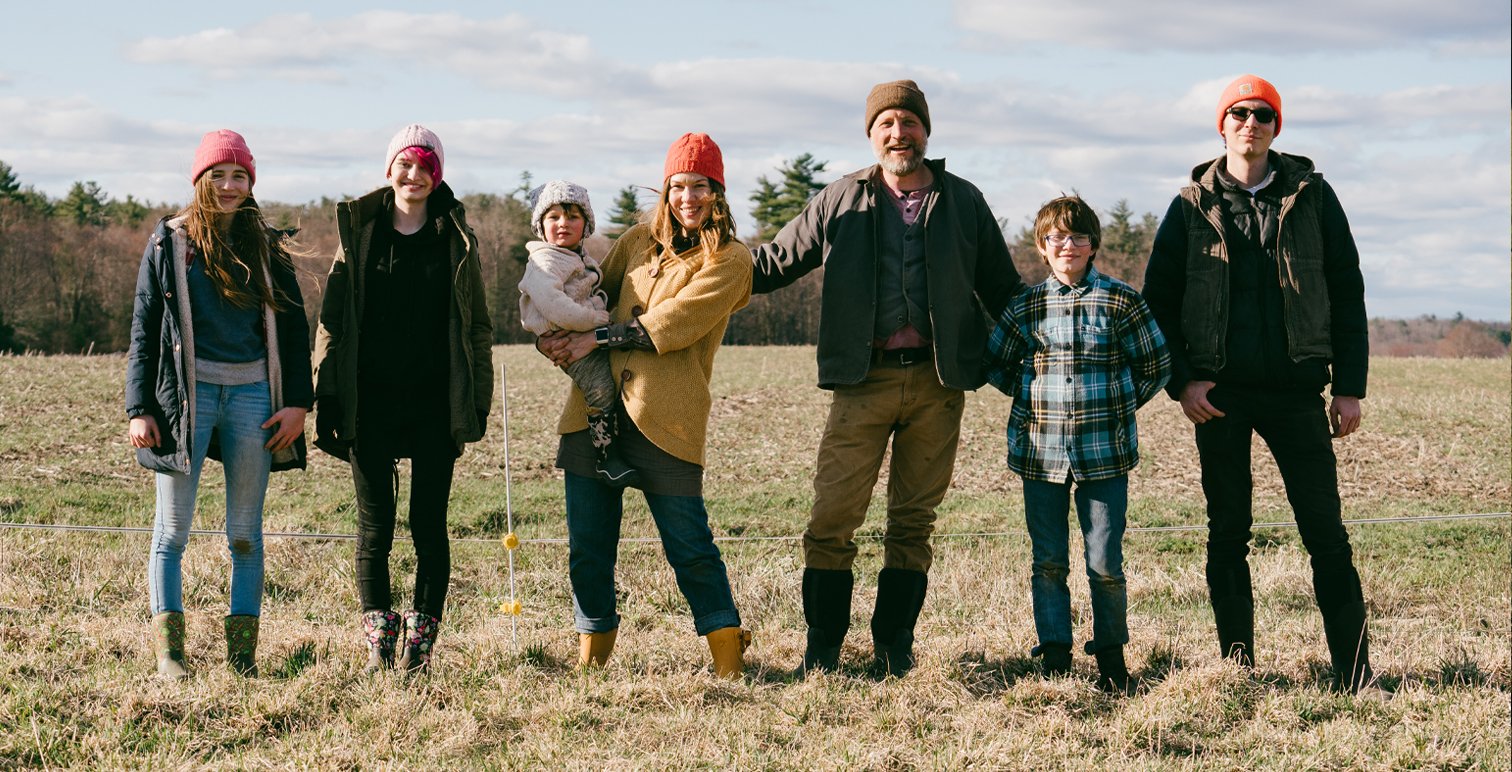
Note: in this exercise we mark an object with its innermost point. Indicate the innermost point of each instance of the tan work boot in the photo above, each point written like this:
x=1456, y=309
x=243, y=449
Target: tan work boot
x=594, y=648
x=728, y=645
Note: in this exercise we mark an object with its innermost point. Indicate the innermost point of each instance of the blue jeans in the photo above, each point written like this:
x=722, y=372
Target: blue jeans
x=235, y=414
x=594, y=512
x=1101, y=506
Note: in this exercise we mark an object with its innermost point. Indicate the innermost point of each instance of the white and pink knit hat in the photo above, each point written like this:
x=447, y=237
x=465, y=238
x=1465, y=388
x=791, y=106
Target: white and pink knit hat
x=415, y=135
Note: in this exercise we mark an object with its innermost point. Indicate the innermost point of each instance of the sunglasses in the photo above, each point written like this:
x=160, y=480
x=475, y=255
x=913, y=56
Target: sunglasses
x=1262, y=114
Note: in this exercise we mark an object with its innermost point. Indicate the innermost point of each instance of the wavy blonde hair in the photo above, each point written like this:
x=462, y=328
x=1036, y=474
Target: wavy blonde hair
x=718, y=228
x=236, y=255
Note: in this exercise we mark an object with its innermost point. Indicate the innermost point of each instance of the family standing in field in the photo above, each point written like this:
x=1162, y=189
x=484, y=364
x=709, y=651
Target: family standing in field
x=1252, y=303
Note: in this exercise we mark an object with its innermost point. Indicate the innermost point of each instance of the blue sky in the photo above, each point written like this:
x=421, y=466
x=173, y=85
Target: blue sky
x=1404, y=107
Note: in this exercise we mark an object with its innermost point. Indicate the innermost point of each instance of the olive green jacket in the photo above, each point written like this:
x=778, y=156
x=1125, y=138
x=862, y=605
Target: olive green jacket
x=470, y=335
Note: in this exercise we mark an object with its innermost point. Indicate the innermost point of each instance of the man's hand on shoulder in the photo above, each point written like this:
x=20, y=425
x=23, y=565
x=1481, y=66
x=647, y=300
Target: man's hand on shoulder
x=1344, y=416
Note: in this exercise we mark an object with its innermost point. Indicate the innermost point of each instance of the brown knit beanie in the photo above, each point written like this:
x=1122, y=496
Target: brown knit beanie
x=900, y=94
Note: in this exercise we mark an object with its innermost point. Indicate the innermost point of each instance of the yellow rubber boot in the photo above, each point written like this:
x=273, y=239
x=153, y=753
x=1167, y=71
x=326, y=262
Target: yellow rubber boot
x=728, y=645
x=594, y=648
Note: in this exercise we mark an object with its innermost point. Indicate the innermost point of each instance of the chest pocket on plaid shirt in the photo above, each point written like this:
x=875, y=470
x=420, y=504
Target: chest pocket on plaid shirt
x=1096, y=345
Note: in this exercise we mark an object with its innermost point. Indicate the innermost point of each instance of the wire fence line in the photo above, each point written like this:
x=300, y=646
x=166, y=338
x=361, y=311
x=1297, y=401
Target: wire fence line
x=306, y=536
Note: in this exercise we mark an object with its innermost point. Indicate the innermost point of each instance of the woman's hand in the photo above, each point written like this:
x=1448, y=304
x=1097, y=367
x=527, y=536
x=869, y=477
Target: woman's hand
x=550, y=344
x=143, y=432
x=563, y=347
x=290, y=422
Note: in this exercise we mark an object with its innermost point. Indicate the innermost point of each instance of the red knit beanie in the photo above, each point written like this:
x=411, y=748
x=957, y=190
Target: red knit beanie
x=695, y=153
x=1249, y=87
x=221, y=147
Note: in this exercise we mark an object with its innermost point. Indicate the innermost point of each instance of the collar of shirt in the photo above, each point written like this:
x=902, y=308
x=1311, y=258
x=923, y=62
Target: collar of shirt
x=1080, y=288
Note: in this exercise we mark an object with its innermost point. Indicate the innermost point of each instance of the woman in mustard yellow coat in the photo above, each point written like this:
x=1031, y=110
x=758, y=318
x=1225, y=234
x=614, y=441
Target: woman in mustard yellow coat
x=672, y=284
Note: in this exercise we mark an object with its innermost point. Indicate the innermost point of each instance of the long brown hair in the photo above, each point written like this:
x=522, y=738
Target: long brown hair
x=718, y=228
x=235, y=257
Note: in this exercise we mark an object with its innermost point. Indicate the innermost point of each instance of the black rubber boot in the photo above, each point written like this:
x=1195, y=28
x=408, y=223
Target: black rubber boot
x=826, y=610
x=900, y=598
x=1055, y=658
x=418, y=640
x=1230, y=589
x=603, y=431
x=1348, y=636
x=1235, y=617
x=1112, y=672
x=381, y=627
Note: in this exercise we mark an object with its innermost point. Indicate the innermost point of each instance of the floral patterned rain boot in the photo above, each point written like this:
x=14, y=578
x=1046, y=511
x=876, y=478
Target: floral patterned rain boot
x=419, y=638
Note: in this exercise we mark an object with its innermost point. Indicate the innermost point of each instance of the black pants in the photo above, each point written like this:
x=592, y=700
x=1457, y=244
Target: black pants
x=376, y=478
x=1296, y=430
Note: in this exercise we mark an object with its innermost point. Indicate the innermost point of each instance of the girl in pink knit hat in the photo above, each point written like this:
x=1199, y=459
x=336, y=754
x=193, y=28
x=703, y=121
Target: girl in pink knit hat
x=219, y=366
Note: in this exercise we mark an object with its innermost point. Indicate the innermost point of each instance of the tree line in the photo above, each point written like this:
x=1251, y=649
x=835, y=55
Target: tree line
x=68, y=266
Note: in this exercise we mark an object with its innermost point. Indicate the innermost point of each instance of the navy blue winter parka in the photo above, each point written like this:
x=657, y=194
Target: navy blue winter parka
x=160, y=361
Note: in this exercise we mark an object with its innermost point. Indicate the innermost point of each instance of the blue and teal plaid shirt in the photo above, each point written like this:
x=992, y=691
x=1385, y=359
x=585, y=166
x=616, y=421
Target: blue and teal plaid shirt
x=1078, y=362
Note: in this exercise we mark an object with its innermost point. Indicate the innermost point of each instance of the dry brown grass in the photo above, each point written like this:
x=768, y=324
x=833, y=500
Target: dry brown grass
x=75, y=689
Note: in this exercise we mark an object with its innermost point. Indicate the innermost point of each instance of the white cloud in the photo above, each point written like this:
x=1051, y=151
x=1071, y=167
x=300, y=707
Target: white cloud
x=505, y=52
x=1422, y=170
x=1460, y=26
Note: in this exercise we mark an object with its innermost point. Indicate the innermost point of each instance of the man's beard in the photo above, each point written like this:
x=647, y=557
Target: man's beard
x=903, y=167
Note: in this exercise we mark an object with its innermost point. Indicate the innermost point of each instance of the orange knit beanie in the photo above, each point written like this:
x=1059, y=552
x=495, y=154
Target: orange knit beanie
x=1249, y=87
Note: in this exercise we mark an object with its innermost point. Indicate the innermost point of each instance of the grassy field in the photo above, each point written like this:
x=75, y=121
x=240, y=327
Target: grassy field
x=76, y=691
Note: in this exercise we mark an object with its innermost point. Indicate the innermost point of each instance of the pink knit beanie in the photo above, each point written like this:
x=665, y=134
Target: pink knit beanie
x=221, y=147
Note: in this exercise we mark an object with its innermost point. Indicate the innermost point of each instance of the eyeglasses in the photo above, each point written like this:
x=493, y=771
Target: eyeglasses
x=1262, y=114
x=1060, y=239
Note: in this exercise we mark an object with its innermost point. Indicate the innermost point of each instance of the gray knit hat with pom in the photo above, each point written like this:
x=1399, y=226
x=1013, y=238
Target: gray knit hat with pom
x=558, y=192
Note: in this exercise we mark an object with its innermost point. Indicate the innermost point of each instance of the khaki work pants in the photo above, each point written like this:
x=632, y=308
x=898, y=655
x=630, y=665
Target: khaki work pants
x=922, y=418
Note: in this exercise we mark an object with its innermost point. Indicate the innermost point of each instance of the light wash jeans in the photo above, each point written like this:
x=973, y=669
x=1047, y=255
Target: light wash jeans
x=235, y=413
x=1101, y=506
x=594, y=512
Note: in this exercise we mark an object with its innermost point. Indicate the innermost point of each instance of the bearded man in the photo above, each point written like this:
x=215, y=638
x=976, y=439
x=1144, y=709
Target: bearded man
x=916, y=265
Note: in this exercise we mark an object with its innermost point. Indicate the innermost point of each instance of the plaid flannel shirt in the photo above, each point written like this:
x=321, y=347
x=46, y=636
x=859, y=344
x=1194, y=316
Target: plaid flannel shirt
x=1078, y=362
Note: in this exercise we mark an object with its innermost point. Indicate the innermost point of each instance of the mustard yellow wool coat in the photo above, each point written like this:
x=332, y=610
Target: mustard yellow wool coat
x=684, y=302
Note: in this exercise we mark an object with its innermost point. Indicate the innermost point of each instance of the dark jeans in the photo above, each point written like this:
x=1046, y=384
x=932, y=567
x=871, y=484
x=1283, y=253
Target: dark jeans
x=1296, y=430
x=377, y=480
x=594, y=512
x=1101, y=509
